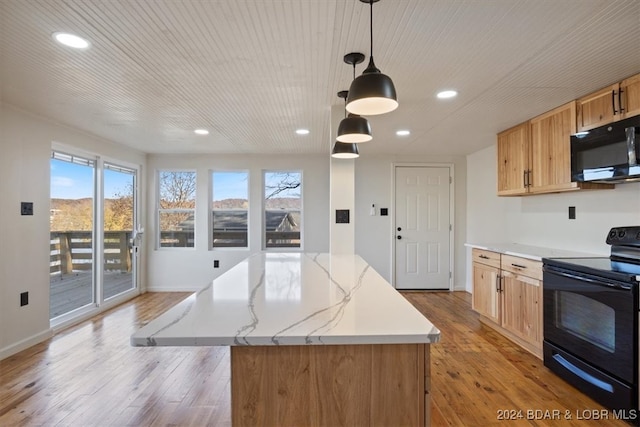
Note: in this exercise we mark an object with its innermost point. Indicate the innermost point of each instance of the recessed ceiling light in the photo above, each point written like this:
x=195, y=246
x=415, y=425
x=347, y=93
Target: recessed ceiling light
x=445, y=94
x=302, y=131
x=403, y=132
x=201, y=131
x=71, y=40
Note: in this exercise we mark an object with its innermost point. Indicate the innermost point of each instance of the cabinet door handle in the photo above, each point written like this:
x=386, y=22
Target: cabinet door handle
x=620, y=101
x=497, y=283
x=518, y=265
x=524, y=179
x=613, y=102
x=529, y=178
x=483, y=256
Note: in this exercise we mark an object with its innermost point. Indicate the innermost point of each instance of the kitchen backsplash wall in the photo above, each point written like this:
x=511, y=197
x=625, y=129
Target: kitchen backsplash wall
x=542, y=220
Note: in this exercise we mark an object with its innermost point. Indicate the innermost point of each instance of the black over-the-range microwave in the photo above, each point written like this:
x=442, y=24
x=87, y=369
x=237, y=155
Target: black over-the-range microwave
x=607, y=154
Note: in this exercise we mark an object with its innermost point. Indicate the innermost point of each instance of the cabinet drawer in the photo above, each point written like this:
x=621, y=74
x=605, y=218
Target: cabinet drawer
x=522, y=266
x=486, y=257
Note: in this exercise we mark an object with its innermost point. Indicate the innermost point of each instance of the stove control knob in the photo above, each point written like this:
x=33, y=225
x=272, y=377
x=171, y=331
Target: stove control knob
x=621, y=233
x=612, y=234
x=638, y=236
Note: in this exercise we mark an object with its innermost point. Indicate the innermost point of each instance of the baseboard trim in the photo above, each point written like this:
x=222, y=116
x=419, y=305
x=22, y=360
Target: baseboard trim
x=162, y=289
x=25, y=343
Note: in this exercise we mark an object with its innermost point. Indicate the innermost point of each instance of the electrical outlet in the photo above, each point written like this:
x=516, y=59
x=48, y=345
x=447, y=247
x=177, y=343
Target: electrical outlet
x=384, y=211
x=216, y=263
x=24, y=299
x=572, y=212
x=26, y=208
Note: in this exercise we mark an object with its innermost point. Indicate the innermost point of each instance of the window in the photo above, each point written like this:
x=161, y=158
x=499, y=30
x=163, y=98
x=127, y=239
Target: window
x=282, y=209
x=176, y=209
x=230, y=209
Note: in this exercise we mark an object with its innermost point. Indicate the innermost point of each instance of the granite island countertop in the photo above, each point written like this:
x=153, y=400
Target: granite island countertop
x=292, y=299
x=531, y=252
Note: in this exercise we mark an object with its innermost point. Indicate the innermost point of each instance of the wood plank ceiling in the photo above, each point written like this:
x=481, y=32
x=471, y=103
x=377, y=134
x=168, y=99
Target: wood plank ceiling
x=252, y=71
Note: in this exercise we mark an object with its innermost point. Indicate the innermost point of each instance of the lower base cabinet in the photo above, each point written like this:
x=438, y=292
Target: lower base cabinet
x=331, y=385
x=509, y=298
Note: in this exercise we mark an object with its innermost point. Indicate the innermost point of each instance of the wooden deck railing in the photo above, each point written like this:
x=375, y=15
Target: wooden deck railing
x=275, y=239
x=73, y=251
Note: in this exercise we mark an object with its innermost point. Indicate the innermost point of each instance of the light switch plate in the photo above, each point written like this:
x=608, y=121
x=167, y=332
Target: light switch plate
x=26, y=208
x=342, y=216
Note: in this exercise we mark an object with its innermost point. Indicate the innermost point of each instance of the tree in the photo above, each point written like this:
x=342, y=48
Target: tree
x=178, y=199
x=177, y=190
x=118, y=212
x=282, y=191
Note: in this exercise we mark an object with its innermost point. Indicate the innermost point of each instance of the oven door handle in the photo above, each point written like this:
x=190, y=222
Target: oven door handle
x=599, y=281
x=582, y=374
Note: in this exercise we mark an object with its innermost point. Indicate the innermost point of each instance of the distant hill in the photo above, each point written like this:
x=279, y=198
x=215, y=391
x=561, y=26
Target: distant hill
x=77, y=214
x=276, y=203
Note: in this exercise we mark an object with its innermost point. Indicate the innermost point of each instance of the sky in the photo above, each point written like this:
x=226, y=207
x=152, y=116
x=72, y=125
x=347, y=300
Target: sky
x=72, y=181
x=230, y=185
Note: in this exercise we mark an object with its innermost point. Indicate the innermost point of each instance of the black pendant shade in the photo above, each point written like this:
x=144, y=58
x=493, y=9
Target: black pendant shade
x=372, y=93
x=343, y=150
x=355, y=129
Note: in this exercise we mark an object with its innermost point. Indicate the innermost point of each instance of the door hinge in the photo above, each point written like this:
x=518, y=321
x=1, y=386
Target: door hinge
x=450, y=227
x=450, y=275
x=450, y=180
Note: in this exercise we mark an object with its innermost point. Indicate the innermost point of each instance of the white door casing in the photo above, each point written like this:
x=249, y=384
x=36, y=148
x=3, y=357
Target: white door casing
x=422, y=231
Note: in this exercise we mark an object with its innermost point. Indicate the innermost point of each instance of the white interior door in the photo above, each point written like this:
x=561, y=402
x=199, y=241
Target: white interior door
x=422, y=227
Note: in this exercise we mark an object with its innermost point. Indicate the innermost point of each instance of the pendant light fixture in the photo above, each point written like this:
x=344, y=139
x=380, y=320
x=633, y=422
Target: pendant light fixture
x=344, y=150
x=353, y=128
x=372, y=92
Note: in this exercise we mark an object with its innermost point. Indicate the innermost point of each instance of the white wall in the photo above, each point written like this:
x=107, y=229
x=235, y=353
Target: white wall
x=25, y=143
x=342, y=197
x=542, y=220
x=188, y=269
x=374, y=234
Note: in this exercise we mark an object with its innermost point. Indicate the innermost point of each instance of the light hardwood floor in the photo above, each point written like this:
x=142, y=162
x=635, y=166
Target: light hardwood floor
x=89, y=375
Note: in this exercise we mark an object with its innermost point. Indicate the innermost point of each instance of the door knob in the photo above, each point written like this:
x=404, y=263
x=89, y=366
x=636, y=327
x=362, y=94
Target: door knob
x=399, y=237
x=399, y=228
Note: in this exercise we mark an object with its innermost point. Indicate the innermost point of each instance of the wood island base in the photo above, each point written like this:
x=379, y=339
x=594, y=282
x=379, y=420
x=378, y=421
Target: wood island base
x=330, y=385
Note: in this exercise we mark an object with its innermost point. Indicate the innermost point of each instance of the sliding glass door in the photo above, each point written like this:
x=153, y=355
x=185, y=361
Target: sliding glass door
x=92, y=252
x=119, y=219
x=72, y=246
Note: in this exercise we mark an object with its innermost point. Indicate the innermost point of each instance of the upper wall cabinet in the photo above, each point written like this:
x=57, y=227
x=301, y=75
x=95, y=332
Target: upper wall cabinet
x=535, y=157
x=615, y=102
x=513, y=160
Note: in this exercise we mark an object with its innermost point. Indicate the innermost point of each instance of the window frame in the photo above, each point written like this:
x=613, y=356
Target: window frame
x=263, y=231
x=159, y=210
x=211, y=210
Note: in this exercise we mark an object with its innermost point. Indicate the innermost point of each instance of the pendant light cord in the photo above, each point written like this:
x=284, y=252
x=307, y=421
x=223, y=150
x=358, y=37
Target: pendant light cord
x=371, y=27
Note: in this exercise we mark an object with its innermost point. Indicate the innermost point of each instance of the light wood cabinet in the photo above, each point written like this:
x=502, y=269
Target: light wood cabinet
x=486, y=299
x=535, y=157
x=513, y=160
x=508, y=297
x=551, y=150
x=521, y=293
x=631, y=95
x=612, y=103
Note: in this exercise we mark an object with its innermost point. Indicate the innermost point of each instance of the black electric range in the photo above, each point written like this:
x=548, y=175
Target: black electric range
x=590, y=316
x=612, y=268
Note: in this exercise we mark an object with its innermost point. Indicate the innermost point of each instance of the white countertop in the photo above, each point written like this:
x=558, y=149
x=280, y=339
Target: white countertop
x=531, y=252
x=292, y=299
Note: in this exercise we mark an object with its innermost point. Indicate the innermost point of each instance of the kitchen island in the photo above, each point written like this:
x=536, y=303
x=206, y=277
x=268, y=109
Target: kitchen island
x=316, y=340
